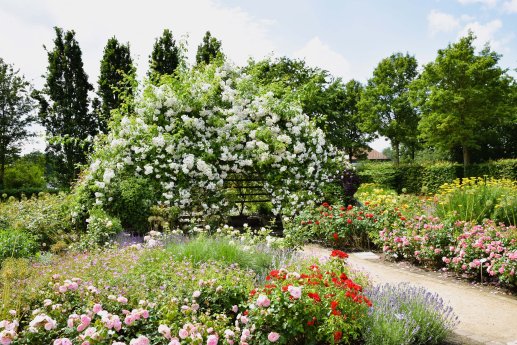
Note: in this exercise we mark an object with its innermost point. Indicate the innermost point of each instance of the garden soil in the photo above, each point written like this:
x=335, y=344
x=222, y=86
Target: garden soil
x=487, y=315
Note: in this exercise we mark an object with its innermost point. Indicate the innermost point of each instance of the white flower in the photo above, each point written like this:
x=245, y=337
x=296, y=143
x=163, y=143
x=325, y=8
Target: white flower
x=108, y=175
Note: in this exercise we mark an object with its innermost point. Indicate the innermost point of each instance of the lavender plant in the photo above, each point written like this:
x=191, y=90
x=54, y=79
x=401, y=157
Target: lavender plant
x=407, y=315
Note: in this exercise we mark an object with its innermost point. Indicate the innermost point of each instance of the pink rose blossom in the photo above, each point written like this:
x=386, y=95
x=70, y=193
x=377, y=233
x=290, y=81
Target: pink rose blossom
x=183, y=333
x=141, y=340
x=62, y=341
x=97, y=308
x=295, y=291
x=263, y=301
x=165, y=331
x=212, y=340
x=273, y=336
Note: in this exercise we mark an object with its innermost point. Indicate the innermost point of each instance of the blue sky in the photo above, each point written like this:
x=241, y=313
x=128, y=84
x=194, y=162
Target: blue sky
x=347, y=37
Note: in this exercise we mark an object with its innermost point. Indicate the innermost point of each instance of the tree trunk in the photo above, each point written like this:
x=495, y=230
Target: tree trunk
x=350, y=154
x=2, y=170
x=466, y=159
x=396, y=147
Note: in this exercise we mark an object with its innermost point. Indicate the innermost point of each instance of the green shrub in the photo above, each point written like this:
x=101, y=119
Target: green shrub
x=409, y=178
x=384, y=174
x=16, y=244
x=49, y=218
x=437, y=174
x=132, y=201
x=100, y=229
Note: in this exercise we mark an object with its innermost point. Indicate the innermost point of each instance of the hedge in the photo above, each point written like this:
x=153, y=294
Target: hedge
x=416, y=178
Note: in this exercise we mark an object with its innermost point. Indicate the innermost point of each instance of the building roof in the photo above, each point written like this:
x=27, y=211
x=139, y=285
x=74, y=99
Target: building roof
x=376, y=155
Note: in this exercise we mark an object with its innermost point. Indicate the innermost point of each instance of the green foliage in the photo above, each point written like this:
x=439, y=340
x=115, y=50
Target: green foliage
x=341, y=120
x=16, y=244
x=165, y=57
x=462, y=96
x=437, y=174
x=205, y=249
x=385, y=101
x=48, y=218
x=64, y=106
x=208, y=50
x=116, y=72
x=27, y=172
x=475, y=199
x=382, y=173
x=100, y=229
x=332, y=104
x=427, y=178
x=132, y=201
x=15, y=114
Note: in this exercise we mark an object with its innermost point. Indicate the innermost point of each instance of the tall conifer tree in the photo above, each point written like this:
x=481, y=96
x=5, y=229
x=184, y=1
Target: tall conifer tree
x=64, y=106
x=114, y=85
x=165, y=57
x=208, y=50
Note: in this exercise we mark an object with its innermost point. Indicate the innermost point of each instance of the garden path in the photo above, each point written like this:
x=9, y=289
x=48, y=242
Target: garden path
x=487, y=315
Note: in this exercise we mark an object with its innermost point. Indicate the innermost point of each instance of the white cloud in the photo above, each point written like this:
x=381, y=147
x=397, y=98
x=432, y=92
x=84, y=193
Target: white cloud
x=318, y=54
x=441, y=22
x=510, y=6
x=486, y=33
x=95, y=21
x=489, y=3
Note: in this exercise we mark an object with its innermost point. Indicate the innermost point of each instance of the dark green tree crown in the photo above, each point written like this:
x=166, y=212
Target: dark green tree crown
x=208, y=50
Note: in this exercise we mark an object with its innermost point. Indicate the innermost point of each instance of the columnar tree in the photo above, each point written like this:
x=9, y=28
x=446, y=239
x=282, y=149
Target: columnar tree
x=15, y=113
x=462, y=95
x=208, y=50
x=64, y=106
x=165, y=57
x=385, y=102
x=114, y=81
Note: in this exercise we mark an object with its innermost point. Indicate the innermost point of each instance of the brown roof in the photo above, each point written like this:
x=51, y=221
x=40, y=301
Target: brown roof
x=376, y=155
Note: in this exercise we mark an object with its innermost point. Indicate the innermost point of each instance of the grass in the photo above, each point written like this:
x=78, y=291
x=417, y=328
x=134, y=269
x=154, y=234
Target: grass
x=203, y=249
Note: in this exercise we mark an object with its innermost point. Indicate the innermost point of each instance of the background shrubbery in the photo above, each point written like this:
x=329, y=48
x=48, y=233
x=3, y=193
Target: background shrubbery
x=415, y=178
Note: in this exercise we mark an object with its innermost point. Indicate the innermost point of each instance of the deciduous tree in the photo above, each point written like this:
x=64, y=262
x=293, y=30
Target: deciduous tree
x=385, y=102
x=15, y=113
x=462, y=96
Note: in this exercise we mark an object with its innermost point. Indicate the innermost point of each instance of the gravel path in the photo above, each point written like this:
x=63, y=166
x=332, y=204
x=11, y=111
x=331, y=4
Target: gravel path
x=487, y=316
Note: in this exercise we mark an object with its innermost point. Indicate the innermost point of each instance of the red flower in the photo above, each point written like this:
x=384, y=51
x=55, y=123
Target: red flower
x=336, y=236
x=314, y=296
x=325, y=204
x=349, y=207
x=311, y=322
x=333, y=305
x=317, y=222
x=339, y=254
x=253, y=292
x=349, y=221
x=338, y=335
